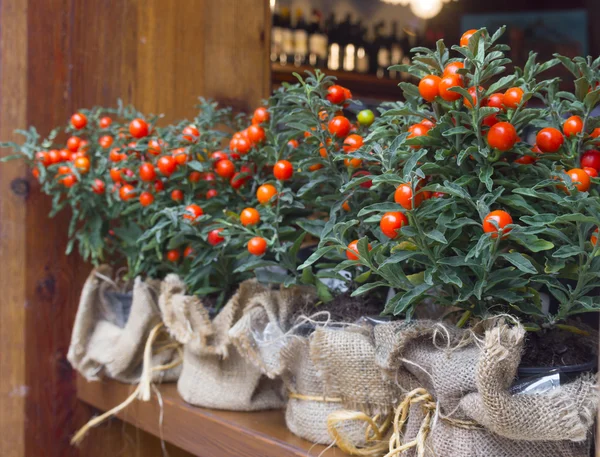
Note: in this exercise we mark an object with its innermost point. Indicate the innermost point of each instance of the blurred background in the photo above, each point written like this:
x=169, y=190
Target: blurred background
x=357, y=40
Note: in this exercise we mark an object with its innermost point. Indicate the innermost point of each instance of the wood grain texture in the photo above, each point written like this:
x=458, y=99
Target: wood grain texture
x=57, y=56
x=118, y=438
x=53, y=280
x=204, y=432
x=13, y=389
x=241, y=76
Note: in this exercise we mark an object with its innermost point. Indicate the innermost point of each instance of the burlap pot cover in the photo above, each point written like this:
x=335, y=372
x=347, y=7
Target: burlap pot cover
x=333, y=383
x=101, y=348
x=214, y=374
x=467, y=410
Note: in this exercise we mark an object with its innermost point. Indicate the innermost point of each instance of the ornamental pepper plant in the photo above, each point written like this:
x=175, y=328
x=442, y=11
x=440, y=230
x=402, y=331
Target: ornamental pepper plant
x=470, y=210
x=87, y=167
x=478, y=190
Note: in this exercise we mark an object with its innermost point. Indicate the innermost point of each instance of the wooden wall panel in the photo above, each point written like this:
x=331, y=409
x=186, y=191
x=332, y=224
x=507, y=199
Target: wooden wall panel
x=13, y=68
x=53, y=280
x=57, y=56
x=240, y=77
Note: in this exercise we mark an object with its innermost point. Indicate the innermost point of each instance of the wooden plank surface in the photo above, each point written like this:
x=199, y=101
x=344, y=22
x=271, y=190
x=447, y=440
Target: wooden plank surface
x=204, y=432
x=13, y=388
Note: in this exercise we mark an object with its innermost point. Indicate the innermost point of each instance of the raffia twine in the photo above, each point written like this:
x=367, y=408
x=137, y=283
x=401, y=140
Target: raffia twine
x=420, y=395
x=378, y=426
x=144, y=387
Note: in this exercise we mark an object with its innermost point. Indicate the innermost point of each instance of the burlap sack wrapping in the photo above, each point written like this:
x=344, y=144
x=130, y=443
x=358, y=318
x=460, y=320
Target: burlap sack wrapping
x=472, y=412
x=214, y=374
x=100, y=348
x=332, y=371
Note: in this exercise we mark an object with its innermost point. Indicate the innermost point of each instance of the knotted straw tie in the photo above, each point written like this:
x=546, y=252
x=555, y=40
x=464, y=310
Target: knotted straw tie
x=429, y=406
x=374, y=433
x=142, y=391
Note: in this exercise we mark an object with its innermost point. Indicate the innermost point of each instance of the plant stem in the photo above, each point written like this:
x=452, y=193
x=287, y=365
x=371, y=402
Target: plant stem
x=414, y=221
x=464, y=318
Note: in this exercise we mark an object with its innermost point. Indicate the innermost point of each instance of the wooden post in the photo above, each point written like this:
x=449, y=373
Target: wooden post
x=57, y=56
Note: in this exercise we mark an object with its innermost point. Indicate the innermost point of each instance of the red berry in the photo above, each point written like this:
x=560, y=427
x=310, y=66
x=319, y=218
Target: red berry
x=283, y=170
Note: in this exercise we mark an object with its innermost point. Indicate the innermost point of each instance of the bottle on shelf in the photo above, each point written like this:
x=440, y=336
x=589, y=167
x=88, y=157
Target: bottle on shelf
x=383, y=51
x=348, y=43
x=317, y=41
x=287, y=37
x=334, y=56
x=276, y=36
x=362, y=50
x=396, y=51
x=300, y=32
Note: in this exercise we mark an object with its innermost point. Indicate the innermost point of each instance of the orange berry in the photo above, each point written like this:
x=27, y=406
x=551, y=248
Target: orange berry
x=257, y=246
x=249, y=216
x=265, y=193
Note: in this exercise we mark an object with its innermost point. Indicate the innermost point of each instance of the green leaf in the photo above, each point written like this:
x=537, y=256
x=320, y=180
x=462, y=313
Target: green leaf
x=554, y=265
x=323, y=292
x=539, y=220
x=312, y=226
x=394, y=276
x=436, y=235
x=457, y=261
x=317, y=255
x=410, y=297
x=531, y=242
x=565, y=252
x=363, y=277
x=503, y=83
x=411, y=163
x=400, y=256
x=293, y=253
x=367, y=287
x=363, y=250
x=519, y=261
x=592, y=99
x=380, y=207
x=449, y=276
x=253, y=264
x=456, y=131
x=308, y=276
x=582, y=87
x=461, y=222
x=526, y=307
x=576, y=217
x=485, y=175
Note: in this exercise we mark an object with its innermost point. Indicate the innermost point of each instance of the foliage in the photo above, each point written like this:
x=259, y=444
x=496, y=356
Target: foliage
x=549, y=246
x=442, y=161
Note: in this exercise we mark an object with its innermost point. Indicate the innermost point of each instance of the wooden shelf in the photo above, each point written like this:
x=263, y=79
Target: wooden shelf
x=361, y=85
x=203, y=432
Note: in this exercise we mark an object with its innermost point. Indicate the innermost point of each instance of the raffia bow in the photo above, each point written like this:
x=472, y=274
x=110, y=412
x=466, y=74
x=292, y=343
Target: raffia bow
x=374, y=434
x=376, y=443
x=420, y=395
x=143, y=389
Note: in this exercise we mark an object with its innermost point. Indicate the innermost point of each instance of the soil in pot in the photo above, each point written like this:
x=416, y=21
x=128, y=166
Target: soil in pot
x=559, y=351
x=555, y=348
x=211, y=303
x=345, y=308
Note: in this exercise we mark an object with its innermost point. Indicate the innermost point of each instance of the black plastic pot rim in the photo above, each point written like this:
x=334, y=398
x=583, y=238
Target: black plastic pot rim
x=580, y=368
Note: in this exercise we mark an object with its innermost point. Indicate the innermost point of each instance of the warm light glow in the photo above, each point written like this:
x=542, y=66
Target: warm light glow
x=425, y=9
x=333, y=61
